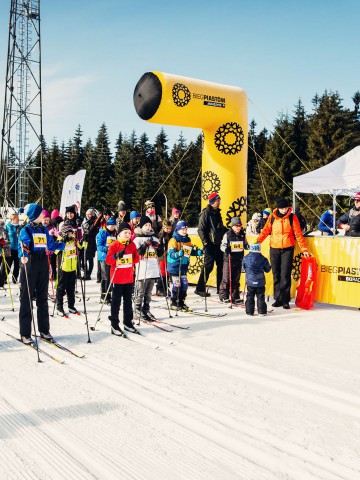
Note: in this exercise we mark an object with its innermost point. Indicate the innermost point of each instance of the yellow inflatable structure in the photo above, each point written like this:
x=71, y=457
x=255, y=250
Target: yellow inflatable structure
x=221, y=112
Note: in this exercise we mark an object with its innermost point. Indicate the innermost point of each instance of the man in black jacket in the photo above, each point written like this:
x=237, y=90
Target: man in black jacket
x=345, y=221
x=211, y=231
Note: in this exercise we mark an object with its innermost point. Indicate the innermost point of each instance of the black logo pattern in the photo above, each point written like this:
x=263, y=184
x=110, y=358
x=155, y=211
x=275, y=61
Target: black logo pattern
x=237, y=208
x=195, y=267
x=181, y=95
x=296, y=266
x=229, y=138
x=210, y=183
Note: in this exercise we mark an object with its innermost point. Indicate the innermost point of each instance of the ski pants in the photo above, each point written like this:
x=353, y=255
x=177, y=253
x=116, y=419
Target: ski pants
x=66, y=284
x=281, y=264
x=53, y=263
x=143, y=295
x=36, y=280
x=259, y=292
x=212, y=256
x=12, y=260
x=121, y=291
x=179, y=289
x=5, y=268
x=235, y=278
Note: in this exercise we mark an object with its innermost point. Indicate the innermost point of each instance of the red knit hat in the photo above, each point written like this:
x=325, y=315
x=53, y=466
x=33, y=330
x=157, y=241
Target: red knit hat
x=213, y=197
x=357, y=196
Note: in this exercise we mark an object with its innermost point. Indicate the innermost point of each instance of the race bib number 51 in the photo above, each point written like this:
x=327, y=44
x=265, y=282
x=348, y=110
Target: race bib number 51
x=39, y=240
x=125, y=261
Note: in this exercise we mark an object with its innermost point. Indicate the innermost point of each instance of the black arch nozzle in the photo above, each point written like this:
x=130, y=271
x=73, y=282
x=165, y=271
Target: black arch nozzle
x=147, y=95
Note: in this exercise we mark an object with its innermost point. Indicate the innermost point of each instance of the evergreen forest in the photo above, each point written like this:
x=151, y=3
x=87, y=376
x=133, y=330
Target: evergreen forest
x=135, y=169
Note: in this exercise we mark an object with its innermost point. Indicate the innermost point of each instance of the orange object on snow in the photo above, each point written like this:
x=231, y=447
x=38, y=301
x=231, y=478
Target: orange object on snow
x=306, y=289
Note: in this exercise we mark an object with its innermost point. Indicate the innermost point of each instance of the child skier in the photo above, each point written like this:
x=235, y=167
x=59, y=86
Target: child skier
x=104, y=239
x=179, y=251
x=164, y=239
x=33, y=241
x=67, y=270
x=148, y=248
x=122, y=257
x=12, y=228
x=255, y=265
x=233, y=244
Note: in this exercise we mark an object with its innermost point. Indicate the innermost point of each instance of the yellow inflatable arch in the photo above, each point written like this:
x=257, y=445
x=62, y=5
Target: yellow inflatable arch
x=221, y=112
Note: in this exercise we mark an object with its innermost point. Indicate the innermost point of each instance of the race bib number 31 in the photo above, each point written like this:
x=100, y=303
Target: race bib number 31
x=39, y=240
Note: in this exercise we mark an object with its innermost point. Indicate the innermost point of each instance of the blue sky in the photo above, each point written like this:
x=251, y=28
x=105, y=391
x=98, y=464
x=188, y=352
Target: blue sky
x=94, y=52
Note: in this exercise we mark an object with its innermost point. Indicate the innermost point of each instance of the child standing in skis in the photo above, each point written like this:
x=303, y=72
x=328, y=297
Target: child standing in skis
x=104, y=239
x=255, y=264
x=148, y=248
x=179, y=251
x=164, y=238
x=67, y=268
x=122, y=257
x=34, y=239
x=233, y=244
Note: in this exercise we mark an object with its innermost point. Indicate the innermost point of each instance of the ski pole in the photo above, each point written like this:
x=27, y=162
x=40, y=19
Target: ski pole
x=205, y=292
x=146, y=264
x=230, y=280
x=179, y=284
x=51, y=277
x=162, y=282
x=7, y=278
x=31, y=305
x=103, y=302
x=85, y=311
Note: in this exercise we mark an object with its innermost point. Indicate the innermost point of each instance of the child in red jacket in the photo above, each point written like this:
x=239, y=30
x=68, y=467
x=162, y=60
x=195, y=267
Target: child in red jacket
x=122, y=257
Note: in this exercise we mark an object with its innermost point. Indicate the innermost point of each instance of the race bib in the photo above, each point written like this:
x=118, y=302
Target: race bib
x=237, y=246
x=70, y=250
x=39, y=240
x=187, y=251
x=150, y=254
x=110, y=240
x=125, y=261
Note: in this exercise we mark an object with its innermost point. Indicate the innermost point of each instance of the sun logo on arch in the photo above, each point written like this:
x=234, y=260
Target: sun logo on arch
x=181, y=95
x=229, y=138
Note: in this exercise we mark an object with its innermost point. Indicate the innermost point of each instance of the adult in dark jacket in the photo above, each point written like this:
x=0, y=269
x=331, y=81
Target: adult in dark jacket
x=346, y=219
x=90, y=229
x=211, y=231
x=255, y=265
x=355, y=226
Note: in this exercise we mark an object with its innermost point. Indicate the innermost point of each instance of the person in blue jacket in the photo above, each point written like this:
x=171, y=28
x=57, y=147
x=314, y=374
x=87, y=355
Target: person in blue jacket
x=12, y=228
x=34, y=240
x=326, y=224
x=104, y=239
x=255, y=264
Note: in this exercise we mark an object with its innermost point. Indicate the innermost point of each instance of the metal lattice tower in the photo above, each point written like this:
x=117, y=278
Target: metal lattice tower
x=21, y=145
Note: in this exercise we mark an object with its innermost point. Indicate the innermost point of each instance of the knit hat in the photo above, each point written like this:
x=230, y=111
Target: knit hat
x=123, y=226
x=166, y=223
x=144, y=220
x=255, y=247
x=181, y=225
x=282, y=202
x=107, y=211
x=70, y=209
x=267, y=211
x=357, y=196
x=46, y=214
x=256, y=216
x=175, y=210
x=54, y=214
x=134, y=214
x=33, y=211
x=235, y=221
x=65, y=229
x=148, y=204
x=213, y=197
x=21, y=210
x=110, y=221
x=90, y=211
x=121, y=206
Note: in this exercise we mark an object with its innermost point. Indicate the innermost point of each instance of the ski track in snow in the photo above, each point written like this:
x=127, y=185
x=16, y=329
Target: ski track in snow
x=176, y=405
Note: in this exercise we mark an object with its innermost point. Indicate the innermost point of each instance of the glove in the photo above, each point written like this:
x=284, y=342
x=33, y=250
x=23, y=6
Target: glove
x=78, y=222
x=120, y=254
x=200, y=252
x=24, y=260
x=84, y=244
x=180, y=254
x=154, y=244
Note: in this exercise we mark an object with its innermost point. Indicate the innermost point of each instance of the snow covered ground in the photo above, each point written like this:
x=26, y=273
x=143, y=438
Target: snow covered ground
x=235, y=397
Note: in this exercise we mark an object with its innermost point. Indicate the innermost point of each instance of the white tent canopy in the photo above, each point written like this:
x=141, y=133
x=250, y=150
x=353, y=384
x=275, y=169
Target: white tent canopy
x=340, y=177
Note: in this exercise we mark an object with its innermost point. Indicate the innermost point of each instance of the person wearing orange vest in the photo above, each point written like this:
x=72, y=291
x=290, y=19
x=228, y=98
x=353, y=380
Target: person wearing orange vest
x=284, y=230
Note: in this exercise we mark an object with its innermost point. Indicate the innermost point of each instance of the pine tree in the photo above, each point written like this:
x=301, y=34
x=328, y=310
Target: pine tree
x=257, y=191
x=90, y=181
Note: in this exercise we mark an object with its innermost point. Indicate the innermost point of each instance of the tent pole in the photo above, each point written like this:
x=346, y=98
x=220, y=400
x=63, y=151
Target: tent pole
x=334, y=213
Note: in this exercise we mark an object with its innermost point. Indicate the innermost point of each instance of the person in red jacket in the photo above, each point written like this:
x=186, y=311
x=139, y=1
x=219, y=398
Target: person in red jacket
x=122, y=257
x=284, y=229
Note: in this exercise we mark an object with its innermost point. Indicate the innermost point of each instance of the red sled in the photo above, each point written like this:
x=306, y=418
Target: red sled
x=306, y=289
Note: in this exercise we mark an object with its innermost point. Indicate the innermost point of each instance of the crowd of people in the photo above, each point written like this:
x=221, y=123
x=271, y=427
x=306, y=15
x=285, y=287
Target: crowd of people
x=136, y=251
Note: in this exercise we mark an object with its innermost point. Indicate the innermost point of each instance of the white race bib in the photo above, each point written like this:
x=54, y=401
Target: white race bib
x=70, y=250
x=237, y=246
x=110, y=240
x=39, y=240
x=125, y=261
x=187, y=251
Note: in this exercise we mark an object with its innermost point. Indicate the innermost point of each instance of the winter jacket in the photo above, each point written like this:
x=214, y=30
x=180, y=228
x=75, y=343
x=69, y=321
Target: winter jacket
x=180, y=243
x=326, y=222
x=149, y=263
x=13, y=232
x=123, y=267
x=211, y=228
x=69, y=256
x=34, y=238
x=282, y=233
x=355, y=226
x=156, y=222
x=90, y=230
x=234, y=244
x=347, y=217
x=255, y=264
x=4, y=239
x=103, y=241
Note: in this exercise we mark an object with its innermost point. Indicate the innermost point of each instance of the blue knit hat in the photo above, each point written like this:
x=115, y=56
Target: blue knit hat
x=255, y=247
x=33, y=211
x=134, y=214
x=111, y=221
x=181, y=225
